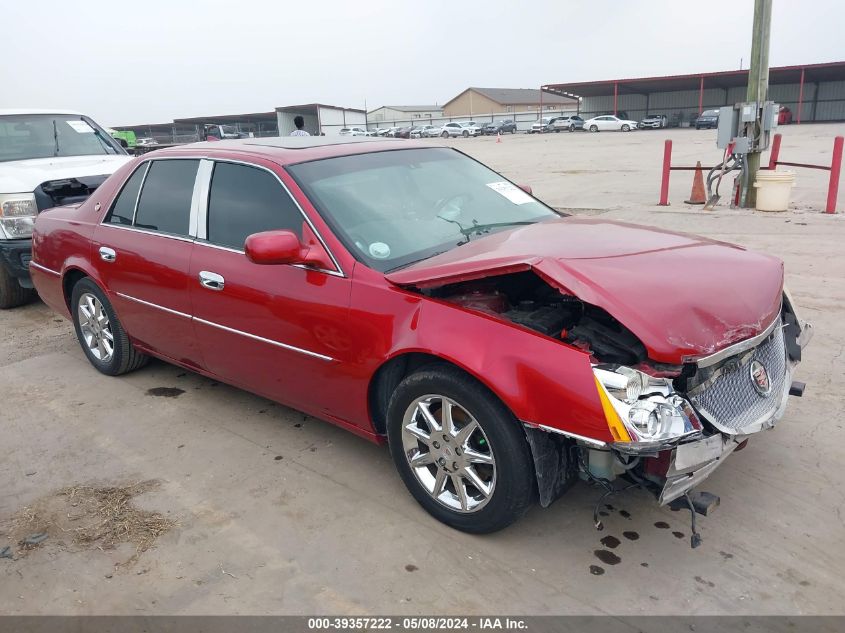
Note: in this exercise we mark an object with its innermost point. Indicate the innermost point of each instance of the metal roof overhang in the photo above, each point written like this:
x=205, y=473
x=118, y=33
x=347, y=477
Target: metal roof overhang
x=833, y=71
x=222, y=119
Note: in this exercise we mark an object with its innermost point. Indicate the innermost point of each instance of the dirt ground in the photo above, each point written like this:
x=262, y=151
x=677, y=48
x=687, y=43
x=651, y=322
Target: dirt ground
x=269, y=511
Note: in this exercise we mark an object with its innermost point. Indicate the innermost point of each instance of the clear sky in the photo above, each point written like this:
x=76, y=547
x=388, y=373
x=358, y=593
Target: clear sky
x=149, y=61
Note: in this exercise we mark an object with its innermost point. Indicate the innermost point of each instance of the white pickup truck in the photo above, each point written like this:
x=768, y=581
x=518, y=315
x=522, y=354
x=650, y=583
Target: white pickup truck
x=47, y=158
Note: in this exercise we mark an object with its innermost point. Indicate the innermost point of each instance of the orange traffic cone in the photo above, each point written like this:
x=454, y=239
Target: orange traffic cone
x=498, y=137
x=697, y=194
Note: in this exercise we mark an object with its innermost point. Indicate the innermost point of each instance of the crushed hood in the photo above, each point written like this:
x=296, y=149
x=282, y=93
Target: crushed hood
x=684, y=296
x=25, y=175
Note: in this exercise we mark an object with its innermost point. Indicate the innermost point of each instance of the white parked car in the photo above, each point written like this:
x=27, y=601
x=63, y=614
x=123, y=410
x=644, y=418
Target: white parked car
x=353, y=131
x=48, y=158
x=426, y=131
x=465, y=129
x=608, y=122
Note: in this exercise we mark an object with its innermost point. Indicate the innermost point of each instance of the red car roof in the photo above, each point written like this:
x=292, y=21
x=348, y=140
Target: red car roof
x=287, y=150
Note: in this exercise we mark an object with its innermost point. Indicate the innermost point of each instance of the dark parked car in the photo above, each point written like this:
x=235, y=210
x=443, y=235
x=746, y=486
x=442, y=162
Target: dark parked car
x=405, y=132
x=413, y=296
x=491, y=128
x=707, y=119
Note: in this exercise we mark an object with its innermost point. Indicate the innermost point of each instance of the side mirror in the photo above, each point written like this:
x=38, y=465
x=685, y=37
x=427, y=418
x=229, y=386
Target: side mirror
x=527, y=189
x=274, y=247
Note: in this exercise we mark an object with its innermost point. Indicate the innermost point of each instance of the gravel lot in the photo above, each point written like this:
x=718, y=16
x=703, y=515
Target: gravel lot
x=279, y=513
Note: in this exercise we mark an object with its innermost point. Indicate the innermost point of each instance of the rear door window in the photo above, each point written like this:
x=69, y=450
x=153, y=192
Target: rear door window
x=165, y=203
x=123, y=209
x=244, y=200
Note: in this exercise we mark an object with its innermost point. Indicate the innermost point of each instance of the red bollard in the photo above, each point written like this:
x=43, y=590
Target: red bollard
x=775, y=153
x=664, y=183
x=835, y=168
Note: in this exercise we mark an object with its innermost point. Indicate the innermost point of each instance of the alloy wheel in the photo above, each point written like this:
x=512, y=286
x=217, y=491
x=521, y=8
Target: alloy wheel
x=95, y=327
x=449, y=453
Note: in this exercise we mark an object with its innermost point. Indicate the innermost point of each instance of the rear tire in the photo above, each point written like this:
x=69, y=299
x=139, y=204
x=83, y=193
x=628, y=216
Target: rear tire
x=500, y=463
x=12, y=294
x=100, y=333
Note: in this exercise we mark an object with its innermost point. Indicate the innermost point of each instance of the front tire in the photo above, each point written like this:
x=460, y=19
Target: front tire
x=465, y=134
x=12, y=294
x=100, y=333
x=460, y=452
x=594, y=128
x=626, y=128
x=571, y=127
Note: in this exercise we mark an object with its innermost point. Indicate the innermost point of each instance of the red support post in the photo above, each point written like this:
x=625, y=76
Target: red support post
x=615, y=97
x=775, y=153
x=835, y=168
x=664, y=183
x=800, y=97
x=701, y=94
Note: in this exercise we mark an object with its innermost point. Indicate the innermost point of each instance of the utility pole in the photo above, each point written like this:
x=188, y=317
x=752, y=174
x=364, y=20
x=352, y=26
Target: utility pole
x=758, y=87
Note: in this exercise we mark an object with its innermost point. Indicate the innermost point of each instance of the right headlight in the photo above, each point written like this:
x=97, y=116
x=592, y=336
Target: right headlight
x=642, y=409
x=17, y=214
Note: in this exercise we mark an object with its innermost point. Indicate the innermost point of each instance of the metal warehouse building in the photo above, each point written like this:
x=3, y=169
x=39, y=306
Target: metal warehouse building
x=814, y=92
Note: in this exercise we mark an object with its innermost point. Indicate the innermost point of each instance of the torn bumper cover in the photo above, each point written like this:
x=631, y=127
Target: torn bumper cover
x=692, y=463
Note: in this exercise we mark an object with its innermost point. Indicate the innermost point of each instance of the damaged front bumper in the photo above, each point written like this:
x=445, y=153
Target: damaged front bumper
x=692, y=463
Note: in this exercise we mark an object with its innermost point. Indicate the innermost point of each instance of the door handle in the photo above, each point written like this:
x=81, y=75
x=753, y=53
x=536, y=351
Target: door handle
x=211, y=280
x=107, y=254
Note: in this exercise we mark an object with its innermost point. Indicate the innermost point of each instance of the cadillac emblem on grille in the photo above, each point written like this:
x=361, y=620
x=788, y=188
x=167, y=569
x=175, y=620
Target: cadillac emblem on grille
x=760, y=378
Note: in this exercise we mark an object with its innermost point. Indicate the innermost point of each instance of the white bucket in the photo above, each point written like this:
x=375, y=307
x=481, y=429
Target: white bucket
x=773, y=189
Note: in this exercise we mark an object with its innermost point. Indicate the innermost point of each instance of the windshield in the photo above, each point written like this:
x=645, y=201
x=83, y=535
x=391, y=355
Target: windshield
x=393, y=208
x=229, y=129
x=710, y=113
x=27, y=136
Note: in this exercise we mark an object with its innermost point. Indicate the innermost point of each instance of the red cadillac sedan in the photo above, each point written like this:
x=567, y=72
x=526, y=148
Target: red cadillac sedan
x=408, y=293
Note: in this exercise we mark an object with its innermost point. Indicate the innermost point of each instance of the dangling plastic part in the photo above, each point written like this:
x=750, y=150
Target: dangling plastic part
x=695, y=538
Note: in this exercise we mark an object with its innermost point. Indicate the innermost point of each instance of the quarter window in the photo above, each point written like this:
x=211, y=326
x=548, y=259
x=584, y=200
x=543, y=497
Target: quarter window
x=165, y=203
x=124, y=207
x=244, y=200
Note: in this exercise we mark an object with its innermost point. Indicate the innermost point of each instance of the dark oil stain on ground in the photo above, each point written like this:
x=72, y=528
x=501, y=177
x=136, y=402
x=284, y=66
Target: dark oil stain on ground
x=609, y=507
x=661, y=525
x=643, y=564
x=625, y=514
x=701, y=580
x=278, y=457
x=607, y=557
x=678, y=534
x=610, y=541
x=595, y=570
x=165, y=392
x=410, y=567
x=631, y=536
x=804, y=583
x=725, y=555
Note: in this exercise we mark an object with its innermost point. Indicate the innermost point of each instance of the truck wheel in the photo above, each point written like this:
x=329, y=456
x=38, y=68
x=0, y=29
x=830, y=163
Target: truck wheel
x=100, y=333
x=11, y=292
x=459, y=451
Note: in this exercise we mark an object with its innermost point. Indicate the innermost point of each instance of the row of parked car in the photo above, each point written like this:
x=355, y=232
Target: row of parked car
x=571, y=123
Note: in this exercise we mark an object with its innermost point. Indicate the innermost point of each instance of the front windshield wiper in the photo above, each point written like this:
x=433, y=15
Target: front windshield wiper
x=55, y=138
x=479, y=229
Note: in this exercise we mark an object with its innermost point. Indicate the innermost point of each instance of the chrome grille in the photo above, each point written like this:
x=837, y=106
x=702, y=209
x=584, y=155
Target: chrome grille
x=729, y=399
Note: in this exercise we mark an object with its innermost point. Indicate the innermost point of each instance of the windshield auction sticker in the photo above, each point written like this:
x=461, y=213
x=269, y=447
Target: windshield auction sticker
x=80, y=126
x=510, y=191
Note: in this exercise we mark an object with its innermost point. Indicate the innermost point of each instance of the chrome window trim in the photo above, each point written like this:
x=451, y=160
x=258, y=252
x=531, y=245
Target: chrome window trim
x=169, y=236
x=738, y=348
x=44, y=268
x=154, y=305
x=199, y=199
x=266, y=340
x=204, y=220
x=140, y=189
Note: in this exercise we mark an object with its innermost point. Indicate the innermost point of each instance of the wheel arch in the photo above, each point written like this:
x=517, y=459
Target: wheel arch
x=395, y=369
x=70, y=278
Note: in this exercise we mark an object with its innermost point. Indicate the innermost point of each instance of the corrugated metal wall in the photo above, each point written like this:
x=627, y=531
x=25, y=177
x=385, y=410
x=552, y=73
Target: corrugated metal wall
x=828, y=105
